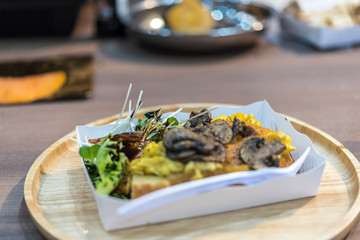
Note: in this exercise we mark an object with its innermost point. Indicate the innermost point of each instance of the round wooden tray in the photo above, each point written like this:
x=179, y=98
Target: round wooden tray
x=62, y=205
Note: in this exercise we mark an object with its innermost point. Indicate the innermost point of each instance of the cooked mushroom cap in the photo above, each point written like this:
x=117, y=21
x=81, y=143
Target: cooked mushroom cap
x=198, y=122
x=220, y=131
x=242, y=129
x=184, y=145
x=180, y=139
x=257, y=154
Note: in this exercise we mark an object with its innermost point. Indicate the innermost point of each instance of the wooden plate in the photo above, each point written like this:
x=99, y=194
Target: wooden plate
x=62, y=205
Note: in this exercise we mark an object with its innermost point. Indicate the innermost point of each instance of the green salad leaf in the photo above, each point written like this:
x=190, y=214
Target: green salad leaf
x=89, y=152
x=172, y=121
x=106, y=165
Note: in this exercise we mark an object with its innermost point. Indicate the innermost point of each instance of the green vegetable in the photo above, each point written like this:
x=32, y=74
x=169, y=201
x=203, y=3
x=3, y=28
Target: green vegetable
x=89, y=153
x=172, y=121
x=122, y=196
x=106, y=165
x=154, y=127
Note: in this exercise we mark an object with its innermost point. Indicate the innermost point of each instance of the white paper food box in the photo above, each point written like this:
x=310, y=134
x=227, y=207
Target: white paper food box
x=322, y=38
x=282, y=188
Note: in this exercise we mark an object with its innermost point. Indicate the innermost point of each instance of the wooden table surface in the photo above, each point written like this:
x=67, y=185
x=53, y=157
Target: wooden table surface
x=320, y=88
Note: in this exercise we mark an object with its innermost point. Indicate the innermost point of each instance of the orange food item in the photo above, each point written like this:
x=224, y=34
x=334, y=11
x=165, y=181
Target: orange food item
x=30, y=88
x=190, y=17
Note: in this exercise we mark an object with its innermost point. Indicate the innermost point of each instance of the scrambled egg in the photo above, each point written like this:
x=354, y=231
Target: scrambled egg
x=196, y=168
x=241, y=117
x=155, y=162
x=282, y=137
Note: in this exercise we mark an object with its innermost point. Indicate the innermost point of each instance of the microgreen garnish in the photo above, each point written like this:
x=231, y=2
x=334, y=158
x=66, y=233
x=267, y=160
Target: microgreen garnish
x=123, y=125
x=155, y=127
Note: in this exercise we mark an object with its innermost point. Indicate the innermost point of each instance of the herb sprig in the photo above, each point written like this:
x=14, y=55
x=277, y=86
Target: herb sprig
x=155, y=127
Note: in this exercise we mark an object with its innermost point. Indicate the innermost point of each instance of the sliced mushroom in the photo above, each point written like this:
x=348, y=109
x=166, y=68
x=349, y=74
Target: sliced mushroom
x=180, y=139
x=183, y=156
x=257, y=154
x=197, y=123
x=184, y=145
x=217, y=155
x=220, y=130
x=241, y=128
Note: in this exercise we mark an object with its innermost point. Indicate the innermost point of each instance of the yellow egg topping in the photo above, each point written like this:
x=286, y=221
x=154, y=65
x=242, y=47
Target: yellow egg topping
x=241, y=117
x=155, y=162
x=196, y=168
x=282, y=137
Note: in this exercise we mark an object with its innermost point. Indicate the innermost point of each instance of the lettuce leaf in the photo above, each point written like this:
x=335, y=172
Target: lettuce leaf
x=112, y=166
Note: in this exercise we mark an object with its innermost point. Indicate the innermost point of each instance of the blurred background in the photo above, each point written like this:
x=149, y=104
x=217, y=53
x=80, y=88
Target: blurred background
x=65, y=63
x=43, y=40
